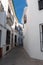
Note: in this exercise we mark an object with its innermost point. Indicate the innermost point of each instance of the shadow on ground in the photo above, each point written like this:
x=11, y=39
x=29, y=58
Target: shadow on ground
x=18, y=56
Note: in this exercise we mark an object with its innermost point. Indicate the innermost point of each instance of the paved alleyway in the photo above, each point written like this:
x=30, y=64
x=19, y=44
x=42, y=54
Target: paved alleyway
x=18, y=56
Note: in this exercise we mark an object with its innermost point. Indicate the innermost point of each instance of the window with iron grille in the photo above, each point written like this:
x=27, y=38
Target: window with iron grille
x=8, y=37
x=40, y=3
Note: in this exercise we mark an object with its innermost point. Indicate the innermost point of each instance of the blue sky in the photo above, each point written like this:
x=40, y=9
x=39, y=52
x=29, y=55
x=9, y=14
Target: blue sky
x=19, y=7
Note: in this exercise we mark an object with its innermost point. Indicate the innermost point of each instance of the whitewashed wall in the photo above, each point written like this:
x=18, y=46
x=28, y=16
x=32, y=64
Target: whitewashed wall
x=3, y=18
x=31, y=30
x=5, y=5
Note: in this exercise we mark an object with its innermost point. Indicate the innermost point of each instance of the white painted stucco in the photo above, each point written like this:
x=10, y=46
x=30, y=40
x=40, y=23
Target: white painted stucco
x=5, y=5
x=3, y=18
x=31, y=30
x=4, y=26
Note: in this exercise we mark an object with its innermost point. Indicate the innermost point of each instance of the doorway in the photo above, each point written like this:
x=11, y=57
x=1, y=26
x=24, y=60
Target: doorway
x=7, y=40
x=12, y=40
x=15, y=40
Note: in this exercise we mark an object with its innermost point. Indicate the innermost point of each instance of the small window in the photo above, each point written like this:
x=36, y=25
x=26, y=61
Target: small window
x=40, y=3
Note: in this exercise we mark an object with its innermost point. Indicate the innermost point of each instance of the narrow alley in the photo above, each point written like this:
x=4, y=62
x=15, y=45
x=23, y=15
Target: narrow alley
x=21, y=32
x=18, y=56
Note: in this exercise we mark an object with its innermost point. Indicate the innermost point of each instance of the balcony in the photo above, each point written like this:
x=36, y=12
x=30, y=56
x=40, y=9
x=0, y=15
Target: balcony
x=10, y=19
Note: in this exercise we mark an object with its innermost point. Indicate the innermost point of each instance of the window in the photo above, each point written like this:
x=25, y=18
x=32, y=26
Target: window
x=40, y=2
x=8, y=37
x=41, y=37
x=16, y=28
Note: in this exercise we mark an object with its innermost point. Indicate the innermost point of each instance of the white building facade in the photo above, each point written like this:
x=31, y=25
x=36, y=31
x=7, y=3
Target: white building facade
x=7, y=36
x=33, y=30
